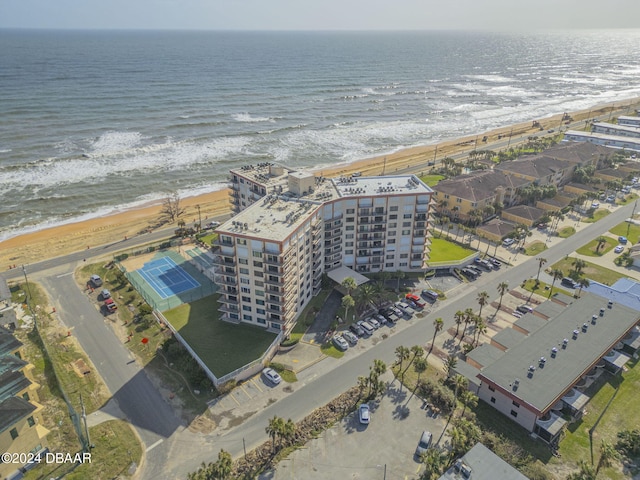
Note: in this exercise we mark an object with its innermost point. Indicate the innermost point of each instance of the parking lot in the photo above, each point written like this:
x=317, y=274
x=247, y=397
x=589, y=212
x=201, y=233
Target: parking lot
x=352, y=450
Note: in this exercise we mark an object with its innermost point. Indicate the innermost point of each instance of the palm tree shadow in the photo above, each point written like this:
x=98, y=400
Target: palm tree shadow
x=396, y=394
x=401, y=412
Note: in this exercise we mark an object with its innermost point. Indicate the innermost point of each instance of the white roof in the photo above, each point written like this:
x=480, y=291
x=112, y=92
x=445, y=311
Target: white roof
x=339, y=274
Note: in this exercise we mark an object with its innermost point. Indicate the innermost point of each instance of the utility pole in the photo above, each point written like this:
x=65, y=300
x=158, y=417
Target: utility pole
x=384, y=165
x=631, y=219
x=510, y=133
x=86, y=427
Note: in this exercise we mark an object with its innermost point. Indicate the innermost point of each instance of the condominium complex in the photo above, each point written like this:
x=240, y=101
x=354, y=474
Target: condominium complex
x=291, y=227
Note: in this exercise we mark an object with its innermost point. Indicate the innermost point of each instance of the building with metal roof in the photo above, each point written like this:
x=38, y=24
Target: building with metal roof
x=480, y=463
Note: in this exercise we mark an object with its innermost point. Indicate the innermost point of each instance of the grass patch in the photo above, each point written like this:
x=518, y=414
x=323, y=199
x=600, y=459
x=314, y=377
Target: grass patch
x=566, y=232
x=287, y=375
x=431, y=180
x=331, y=351
x=597, y=215
x=208, y=239
x=534, y=248
x=628, y=199
x=622, y=414
x=590, y=248
x=591, y=271
x=222, y=346
x=624, y=229
x=443, y=250
x=543, y=288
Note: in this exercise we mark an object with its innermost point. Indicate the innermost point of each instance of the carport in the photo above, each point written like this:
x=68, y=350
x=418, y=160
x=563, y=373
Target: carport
x=339, y=274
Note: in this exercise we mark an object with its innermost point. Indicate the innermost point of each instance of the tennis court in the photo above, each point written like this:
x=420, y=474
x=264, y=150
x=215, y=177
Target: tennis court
x=166, y=277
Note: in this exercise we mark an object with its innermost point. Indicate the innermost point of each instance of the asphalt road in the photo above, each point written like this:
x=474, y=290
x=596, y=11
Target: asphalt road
x=173, y=450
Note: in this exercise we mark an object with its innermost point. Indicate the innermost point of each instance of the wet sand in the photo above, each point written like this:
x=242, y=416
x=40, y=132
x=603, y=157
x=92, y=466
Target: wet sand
x=64, y=239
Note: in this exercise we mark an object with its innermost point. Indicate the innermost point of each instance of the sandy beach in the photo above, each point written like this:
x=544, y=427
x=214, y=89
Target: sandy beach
x=64, y=239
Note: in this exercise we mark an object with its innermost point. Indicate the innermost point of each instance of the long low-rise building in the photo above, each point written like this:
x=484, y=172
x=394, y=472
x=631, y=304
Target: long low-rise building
x=611, y=141
x=618, y=130
x=627, y=120
x=536, y=375
x=270, y=257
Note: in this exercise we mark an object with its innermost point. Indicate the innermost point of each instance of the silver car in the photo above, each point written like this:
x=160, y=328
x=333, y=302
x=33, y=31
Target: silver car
x=340, y=343
x=424, y=443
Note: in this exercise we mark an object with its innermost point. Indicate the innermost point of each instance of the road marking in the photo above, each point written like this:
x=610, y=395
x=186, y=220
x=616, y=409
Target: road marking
x=151, y=447
x=234, y=398
x=64, y=275
x=245, y=391
x=256, y=385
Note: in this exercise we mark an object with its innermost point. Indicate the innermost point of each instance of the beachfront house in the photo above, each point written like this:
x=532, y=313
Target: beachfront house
x=538, y=374
x=611, y=141
x=617, y=130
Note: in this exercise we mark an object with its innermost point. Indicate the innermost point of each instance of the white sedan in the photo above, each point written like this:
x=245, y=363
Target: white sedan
x=271, y=375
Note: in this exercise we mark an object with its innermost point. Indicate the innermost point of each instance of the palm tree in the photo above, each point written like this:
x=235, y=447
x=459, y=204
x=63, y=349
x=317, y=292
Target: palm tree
x=365, y=296
x=347, y=303
x=420, y=366
x=349, y=284
x=276, y=424
x=601, y=242
x=434, y=463
x=481, y=328
x=223, y=467
x=402, y=354
x=288, y=431
x=586, y=472
x=557, y=274
x=437, y=323
x=578, y=266
x=541, y=262
x=450, y=364
x=469, y=400
x=458, y=317
x=375, y=384
x=503, y=287
x=584, y=283
x=468, y=317
x=417, y=352
x=363, y=382
x=608, y=454
x=483, y=298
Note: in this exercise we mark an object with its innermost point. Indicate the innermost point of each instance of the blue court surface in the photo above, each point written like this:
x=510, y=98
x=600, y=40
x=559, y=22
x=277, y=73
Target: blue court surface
x=166, y=277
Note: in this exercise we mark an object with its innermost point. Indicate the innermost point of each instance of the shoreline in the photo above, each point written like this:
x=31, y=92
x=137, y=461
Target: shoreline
x=77, y=235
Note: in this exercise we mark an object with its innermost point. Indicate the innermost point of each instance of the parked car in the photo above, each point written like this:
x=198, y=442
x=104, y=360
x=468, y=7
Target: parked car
x=381, y=318
x=272, y=376
x=507, y=242
x=595, y=205
x=524, y=308
x=495, y=262
x=340, y=343
x=470, y=274
x=389, y=314
x=618, y=249
x=105, y=294
x=95, y=280
x=622, y=240
x=416, y=300
x=110, y=305
x=475, y=269
x=373, y=322
x=611, y=198
x=568, y=282
x=350, y=337
x=366, y=326
x=213, y=224
x=483, y=264
x=406, y=309
x=424, y=443
x=357, y=329
x=430, y=295
x=364, y=414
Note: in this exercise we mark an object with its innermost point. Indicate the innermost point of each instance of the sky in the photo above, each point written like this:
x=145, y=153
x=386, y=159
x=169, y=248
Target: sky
x=320, y=15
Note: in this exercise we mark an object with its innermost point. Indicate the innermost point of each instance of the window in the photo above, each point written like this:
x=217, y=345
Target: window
x=260, y=293
x=244, y=281
x=243, y=261
x=406, y=232
x=406, y=224
x=458, y=200
x=514, y=414
x=391, y=241
x=257, y=264
x=350, y=219
x=246, y=299
x=244, y=271
x=392, y=233
x=262, y=321
x=516, y=404
x=493, y=399
x=492, y=388
x=245, y=290
x=403, y=264
x=257, y=254
x=388, y=265
x=351, y=211
x=407, y=215
x=261, y=311
x=393, y=225
x=246, y=308
x=258, y=283
x=349, y=235
x=26, y=396
x=348, y=252
x=393, y=217
x=31, y=421
x=404, y=255
x=259, y=302
x=348, y=244
x=393, y=209
x=14, y=433
x=247, y=318
x=349, y=228
x=241, y=241
x=390, y=257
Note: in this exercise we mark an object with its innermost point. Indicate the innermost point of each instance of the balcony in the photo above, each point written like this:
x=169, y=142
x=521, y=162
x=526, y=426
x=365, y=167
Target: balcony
x=272, y=260
x=227, y=308
x=225, y=280
x=269, y=281
x=224, y=261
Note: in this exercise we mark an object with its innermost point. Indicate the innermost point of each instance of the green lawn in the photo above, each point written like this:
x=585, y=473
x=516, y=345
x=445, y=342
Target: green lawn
x=431, y=180
x=590, y=248
x=222, y=346
x=534, y=248
x=543, y=288
x=445, y=251
x=631, y=231
x=622, y=414
x=208, y=239
x=566, y=232
x=591, y=271
x=597, y=215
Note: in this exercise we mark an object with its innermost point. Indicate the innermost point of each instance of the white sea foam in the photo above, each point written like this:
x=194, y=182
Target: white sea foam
x=247, y=118
x=112, y=142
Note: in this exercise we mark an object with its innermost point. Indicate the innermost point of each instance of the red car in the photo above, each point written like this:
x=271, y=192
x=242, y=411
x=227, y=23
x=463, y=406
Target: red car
x=415, y=300
x=111, y=305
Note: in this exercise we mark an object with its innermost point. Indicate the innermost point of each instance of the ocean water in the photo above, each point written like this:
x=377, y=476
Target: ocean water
x=92, y=122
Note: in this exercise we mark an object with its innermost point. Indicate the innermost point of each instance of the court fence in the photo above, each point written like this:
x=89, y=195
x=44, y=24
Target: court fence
x=206, y=286
x=238, y=374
